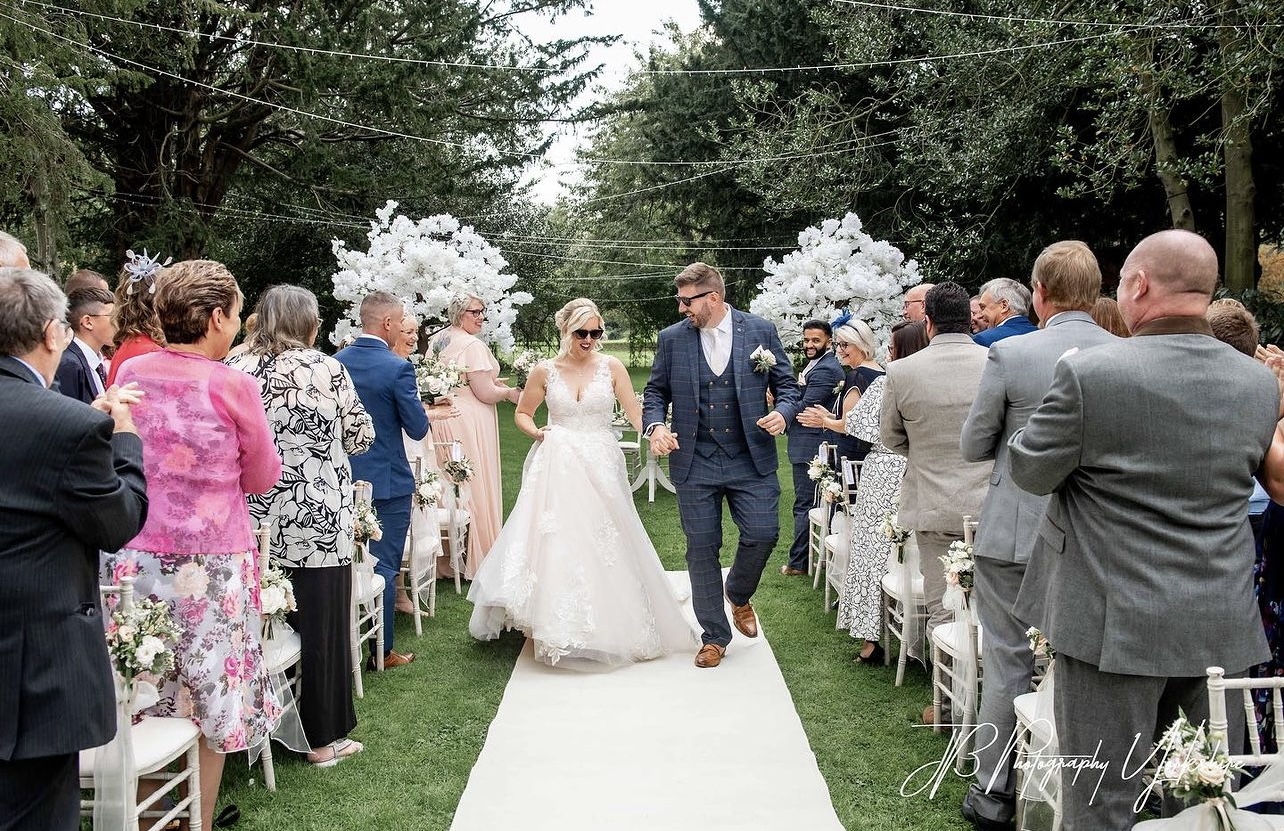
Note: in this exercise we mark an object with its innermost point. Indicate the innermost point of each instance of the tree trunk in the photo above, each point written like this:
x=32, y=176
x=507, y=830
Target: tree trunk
x=1161, y=134
x=1240, y=259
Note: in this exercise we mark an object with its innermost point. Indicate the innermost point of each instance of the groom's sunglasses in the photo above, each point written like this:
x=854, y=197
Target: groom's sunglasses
x=687, y=301
x=581, y=334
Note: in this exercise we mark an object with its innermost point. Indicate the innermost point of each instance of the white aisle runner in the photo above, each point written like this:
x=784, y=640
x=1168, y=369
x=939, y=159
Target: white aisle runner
x=659, y=745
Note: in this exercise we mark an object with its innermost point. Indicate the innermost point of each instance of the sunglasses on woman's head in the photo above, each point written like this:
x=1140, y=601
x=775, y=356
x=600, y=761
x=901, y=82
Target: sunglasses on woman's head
x=581, y=334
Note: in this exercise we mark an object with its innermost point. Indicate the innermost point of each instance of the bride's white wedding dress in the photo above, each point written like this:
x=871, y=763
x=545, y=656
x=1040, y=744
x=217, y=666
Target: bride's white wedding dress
x=573, y=567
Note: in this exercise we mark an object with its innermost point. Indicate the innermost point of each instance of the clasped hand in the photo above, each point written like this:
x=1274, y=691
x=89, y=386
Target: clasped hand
x=116, y=401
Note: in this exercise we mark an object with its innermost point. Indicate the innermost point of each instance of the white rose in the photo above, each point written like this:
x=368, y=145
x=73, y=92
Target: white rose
x=272, y=600
x=147, y=651
x=1211, y=772
x=1174, y=767
x=126, y=632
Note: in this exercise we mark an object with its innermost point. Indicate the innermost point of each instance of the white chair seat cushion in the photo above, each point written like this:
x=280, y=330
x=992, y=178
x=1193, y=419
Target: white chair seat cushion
x=893, y=585
x=461, y=516
x=368, y=586
x=948, y=637
x=283, y=651
x=835, y=542
x=817, y=516
x=627, y=445
x=157, y=742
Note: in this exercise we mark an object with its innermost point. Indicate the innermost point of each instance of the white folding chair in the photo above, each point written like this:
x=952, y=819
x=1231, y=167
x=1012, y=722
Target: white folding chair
x=367, y=600
x=453, y=519
x=957, y=664
x=419, y=559
x=837, y=554
x=1038, y=786
x=1269, y=784
x=818, y=522
x=849, y=476
x=904, y=606
x=154, y=744
x=632, y=450
x=282, y=651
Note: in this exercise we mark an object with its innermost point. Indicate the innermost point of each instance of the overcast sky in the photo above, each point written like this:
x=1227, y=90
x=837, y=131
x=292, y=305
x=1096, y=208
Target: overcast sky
x=637, y=21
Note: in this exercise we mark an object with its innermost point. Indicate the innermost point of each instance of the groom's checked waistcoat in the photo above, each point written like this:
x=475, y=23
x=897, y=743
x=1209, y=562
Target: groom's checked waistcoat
x=719, y=425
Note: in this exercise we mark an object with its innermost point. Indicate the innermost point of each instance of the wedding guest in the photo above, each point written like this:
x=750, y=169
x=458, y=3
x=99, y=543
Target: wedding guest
x=855, y=345
x=878, y=492
x=477, y=427
x=912, y=305
x=13, y=254
x=1106, y=314
x=1129, y=529
x=407, y=337
x=317, y=421
x=73, y=486
x=206, y=444
x=386, y=386
x=818, y=382
x=81, y=372
x=1018, y=372
x=1004, y=304
x=86, y=278
x=979, y=323
x=926, y=399
x=138, y=331
x=1234, y=325
x=251, y=324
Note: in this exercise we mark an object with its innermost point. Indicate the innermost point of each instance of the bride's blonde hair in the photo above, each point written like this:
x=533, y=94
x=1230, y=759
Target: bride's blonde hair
x=573, y=316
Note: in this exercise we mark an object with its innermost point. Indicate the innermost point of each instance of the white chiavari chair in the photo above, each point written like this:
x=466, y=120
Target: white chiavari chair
x=904, y=607
x=367, y=599
x=281, y=652
x=957, y=665
x=419, y=560
x=151, y=746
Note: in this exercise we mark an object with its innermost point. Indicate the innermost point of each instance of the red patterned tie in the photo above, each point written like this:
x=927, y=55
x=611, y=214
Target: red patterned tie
x=102, y=375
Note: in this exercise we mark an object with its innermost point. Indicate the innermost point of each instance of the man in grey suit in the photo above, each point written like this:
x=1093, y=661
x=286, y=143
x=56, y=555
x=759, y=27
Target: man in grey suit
x=1141, y=576
x=73, y=485
x=927, y=397
x=1018, y=371
x=722, y=443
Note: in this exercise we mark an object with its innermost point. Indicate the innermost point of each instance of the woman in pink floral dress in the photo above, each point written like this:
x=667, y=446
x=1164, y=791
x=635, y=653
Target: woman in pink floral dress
x=206, y=443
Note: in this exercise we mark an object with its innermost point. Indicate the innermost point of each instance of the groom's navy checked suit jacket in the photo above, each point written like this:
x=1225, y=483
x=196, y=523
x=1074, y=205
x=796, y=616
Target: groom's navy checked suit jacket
x=675, y=378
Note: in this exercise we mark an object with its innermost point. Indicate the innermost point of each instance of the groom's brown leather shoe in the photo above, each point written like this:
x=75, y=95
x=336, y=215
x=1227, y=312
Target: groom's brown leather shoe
x=745, y=620
x=710, y=655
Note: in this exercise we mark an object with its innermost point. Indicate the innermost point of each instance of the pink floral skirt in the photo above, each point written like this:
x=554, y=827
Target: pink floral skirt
x=219, y=681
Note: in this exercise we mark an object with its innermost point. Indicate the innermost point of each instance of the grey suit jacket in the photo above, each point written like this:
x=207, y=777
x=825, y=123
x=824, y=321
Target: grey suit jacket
x=926, y=398
x=1144, y=561
x=70, y=488
x=1017, y=375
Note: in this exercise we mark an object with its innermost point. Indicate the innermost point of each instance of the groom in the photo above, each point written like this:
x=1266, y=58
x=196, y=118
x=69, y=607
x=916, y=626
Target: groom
x=723, y=444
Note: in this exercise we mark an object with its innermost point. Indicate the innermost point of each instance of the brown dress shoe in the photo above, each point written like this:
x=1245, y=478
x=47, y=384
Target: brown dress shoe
x=790, y=571
x=391, y=661
x=745, y=620
x=710, y=655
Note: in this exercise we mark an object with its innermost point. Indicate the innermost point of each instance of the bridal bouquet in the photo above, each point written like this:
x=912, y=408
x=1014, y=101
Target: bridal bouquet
x=959, y=565
x=139, y=638
x=427, y=489
x=524, y=360
x=436, y=378
x=1193, y=763
x=276, y=598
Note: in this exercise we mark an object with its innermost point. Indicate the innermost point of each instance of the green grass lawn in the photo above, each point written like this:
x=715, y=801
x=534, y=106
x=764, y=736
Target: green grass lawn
x=424, y=725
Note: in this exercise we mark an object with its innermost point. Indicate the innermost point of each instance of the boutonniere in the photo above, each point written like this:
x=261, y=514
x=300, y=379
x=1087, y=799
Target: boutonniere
x=838, y=388
x=762, y=359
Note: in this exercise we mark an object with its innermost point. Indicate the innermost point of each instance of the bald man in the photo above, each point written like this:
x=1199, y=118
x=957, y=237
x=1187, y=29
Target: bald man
x=1141, y=575
x=13, y=254
x=912, y=306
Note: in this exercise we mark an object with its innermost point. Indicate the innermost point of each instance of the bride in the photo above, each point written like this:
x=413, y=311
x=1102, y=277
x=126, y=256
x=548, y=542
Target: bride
x=573, y=567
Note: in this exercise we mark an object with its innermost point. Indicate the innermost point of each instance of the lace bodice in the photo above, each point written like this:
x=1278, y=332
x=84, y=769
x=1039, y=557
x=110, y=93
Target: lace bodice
x=595, y=408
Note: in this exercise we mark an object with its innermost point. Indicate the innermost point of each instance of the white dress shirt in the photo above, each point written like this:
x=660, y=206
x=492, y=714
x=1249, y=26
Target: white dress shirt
x=715, y=341
x=94, y=360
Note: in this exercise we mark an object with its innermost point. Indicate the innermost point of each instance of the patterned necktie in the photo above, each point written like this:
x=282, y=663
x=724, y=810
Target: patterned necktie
x=102, y=375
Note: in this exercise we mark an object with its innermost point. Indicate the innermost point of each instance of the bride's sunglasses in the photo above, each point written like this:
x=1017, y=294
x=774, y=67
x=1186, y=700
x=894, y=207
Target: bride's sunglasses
x=581, y=334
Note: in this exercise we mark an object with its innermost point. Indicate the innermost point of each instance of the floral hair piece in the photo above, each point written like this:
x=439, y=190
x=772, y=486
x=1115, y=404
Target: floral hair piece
x=841, y=320
x=142, y=267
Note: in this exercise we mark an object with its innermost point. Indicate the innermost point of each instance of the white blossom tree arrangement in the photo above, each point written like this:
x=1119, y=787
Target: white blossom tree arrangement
x=838, y=268
x=427, y=263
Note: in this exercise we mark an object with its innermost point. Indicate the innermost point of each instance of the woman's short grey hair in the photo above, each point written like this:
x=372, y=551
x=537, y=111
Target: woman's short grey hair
x=455, y=311
x=858, y=334
x=1005, y=288
x=288, y=318
x=28, y=301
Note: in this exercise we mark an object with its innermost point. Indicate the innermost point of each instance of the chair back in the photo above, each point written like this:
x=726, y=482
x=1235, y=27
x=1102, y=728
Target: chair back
x=1218, y=685
x=850, y=478
x=123, y=594
x=263, y=536
x=969, y=528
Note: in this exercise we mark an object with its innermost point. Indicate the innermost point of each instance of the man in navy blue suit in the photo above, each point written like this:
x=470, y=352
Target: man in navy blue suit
x=715, y=368
x=386, y=386
x=82, y=374
x=816, y=387
x=1005, y=305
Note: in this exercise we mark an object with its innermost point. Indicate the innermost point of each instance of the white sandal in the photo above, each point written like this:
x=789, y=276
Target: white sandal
x=339, y=751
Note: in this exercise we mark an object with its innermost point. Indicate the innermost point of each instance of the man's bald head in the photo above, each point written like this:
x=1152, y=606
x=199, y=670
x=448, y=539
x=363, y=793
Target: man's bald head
x=1171, y=273
x=912, y=305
